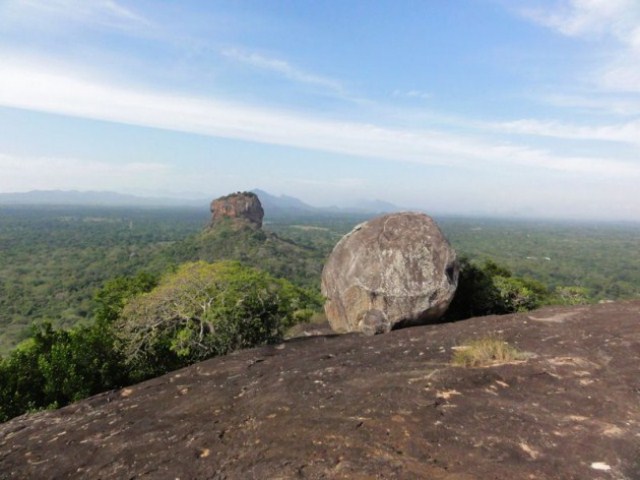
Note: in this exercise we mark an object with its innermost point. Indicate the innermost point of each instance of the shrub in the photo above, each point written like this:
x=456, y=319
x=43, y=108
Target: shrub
x=56, y=367
x=571, y=295
x=491, y=289
x=110, y=300
x=518, y=294
x=202, y=310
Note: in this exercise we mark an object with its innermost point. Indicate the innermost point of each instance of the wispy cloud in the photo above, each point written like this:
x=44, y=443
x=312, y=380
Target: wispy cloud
x=613, y=20
x=412, y=94
x=337, y=183
x=628, y=132
x=618, y=105
x=32, y=86
x=45, y=173
x=105, y=13
x=283, y=68
x=589, y=18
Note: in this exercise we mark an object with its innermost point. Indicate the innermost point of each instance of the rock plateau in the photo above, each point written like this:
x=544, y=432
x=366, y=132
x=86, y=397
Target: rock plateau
x=242, y=208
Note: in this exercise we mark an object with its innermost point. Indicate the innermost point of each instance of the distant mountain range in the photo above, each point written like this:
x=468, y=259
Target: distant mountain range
x=272, y=204
x=90, y=198
x=285, y=204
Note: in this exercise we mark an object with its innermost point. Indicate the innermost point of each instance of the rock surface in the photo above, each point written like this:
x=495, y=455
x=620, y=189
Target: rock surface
x=352, y=407
x=241, y=207
x=393, y=271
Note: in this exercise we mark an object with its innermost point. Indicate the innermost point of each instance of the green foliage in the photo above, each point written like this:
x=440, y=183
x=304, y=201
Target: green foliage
x=492, y=289
x=54, y=258
x=518, y=294
x=21, y=383
x=570, y=296
x=602, y=258
x=261, y=249
x=56, y=367
x=112, y=297
x=202, y=310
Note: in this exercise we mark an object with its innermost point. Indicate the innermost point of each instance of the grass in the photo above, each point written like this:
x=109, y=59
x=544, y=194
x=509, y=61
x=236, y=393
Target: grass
x=484, y=352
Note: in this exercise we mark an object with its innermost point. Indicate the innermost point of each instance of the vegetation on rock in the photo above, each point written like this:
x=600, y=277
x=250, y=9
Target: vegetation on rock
x=485, y=351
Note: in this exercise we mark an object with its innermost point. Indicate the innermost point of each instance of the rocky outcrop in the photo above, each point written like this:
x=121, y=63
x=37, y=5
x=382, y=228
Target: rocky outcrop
x=353, y=407
x=241, y=208
x=393, y=271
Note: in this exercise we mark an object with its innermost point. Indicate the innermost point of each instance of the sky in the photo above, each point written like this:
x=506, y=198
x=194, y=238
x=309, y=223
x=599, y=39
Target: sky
x=526, y=108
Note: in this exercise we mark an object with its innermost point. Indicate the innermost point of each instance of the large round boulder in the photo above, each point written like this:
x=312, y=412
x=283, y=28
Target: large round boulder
x=393, y=271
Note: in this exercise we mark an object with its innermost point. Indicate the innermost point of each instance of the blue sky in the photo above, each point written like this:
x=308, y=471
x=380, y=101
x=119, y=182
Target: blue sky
x=492, y=107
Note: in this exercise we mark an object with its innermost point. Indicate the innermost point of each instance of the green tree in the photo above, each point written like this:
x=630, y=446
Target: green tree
x=21, y=382
x=56, y=367
x=202, y=310
x=517, y=294
x=491, y=289
x=110, y=300
x=571, y=296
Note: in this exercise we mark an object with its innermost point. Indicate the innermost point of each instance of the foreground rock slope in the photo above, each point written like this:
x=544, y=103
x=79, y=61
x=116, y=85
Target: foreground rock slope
x=354, y=407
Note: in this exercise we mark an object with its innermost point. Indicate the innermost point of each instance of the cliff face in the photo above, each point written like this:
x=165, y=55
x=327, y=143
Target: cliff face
x=242, y=208
x=355, y=407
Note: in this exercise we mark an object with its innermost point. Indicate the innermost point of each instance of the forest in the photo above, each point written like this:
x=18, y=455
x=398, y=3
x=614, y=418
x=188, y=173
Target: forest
x=53, y=259
x=96, y=298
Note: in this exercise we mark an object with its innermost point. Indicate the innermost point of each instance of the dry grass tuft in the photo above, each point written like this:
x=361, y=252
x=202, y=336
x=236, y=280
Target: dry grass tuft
x=485, y=351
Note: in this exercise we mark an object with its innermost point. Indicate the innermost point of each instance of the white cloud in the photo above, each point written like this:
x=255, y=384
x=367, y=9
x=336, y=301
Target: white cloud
x=589, y=18
x=104, y=13
x=337, y=183
x=628, y=132
x=618, y=105
x=46, y=173
x=412, y=94
x=623, y=74
x=617, y=20
x=283, y=68
x=31, y=86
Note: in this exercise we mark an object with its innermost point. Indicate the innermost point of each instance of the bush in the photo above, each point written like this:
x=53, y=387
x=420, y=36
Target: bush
x=110, y=300
x=202, y=310
x=56, y=367
x=518, y=294
x=491, y=289
x=571, y=296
